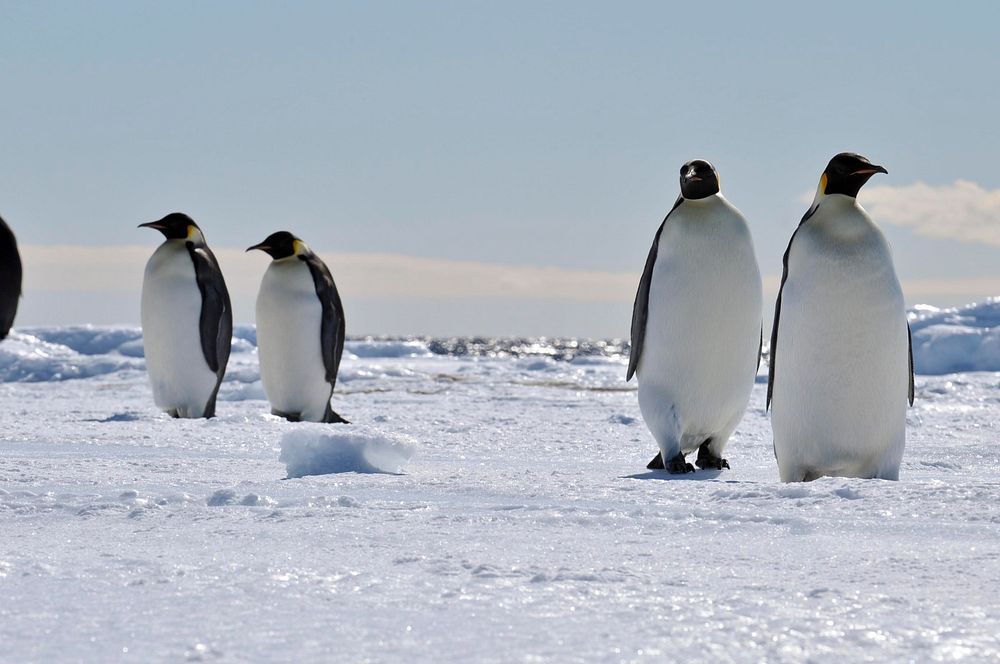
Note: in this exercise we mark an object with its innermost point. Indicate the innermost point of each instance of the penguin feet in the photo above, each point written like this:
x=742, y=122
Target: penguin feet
x=291, y=417
x=708, y=461
x=678, y=466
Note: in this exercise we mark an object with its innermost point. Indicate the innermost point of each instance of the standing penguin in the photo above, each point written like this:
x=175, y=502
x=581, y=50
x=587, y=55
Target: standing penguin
x=187, y=320
x=10, y=278
x=841, y=366
x=696, y=325
x=300, y=331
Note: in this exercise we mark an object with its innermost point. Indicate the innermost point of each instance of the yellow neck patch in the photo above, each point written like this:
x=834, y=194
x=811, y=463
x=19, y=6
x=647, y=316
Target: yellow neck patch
x=822, y=184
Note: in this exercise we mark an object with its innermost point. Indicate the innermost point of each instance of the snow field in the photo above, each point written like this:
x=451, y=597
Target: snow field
x=526, y=529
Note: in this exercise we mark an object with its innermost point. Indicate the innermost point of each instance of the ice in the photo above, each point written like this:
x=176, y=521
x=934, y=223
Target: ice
x=90, y=340
x=386, y=348
x=526, y=528
x=322, y=450
x=29, y=358
x=959, y=339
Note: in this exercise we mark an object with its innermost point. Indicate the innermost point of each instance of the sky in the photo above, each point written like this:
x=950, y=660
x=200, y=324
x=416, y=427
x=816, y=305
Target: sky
x=483, y=168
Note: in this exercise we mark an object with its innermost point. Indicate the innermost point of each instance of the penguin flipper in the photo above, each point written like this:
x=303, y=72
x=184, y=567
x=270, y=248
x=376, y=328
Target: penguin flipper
x=215, y=323
x=10, y=279
x=332, y=328
x=773, y=350
x=640, y=310
x=760, y=346
x=909, y=341
x=209, y=411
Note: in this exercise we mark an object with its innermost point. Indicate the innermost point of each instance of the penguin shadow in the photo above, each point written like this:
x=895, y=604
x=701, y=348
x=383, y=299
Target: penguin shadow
x=697, y=476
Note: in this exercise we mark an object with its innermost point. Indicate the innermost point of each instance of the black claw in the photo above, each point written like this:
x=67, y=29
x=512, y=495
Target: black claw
x=679, y=466
x=656, y=463
x=708, y=460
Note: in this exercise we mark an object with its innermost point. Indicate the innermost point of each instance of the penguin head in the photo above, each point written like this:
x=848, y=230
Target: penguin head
x=281, y=245
x=846, y=174
x=699, y=179
x=176, y=226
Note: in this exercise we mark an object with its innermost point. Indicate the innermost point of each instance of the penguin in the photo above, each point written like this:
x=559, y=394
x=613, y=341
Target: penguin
x=697, y=325
x=841, y=359
x=187, y=319
x=300, y=331
x=10, y=278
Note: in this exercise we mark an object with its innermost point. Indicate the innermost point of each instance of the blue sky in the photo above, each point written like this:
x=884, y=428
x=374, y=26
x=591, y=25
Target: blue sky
x=525, y=135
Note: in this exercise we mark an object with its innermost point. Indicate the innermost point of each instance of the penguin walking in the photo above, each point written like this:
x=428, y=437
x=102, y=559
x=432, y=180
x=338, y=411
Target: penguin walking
x=300, y=331
x=841, y=363
x=696, y=325
x=10, y=278
x=187, y=320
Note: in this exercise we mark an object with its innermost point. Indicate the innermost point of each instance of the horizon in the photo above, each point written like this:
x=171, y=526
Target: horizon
x=385, y=293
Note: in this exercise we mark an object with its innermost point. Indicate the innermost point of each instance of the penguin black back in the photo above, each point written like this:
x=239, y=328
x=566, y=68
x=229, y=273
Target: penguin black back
x=10, y=278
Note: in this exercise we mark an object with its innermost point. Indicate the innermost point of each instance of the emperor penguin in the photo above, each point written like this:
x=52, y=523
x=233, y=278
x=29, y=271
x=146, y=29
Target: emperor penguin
x=841, y=362
x=187, y=320
x=696, y=325
x=300, y=331
x=10, y=278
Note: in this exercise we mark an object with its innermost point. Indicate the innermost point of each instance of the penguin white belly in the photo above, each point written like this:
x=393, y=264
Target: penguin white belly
x=289, y=319
x=842, y=364
x=180, y=377
x=703, y=325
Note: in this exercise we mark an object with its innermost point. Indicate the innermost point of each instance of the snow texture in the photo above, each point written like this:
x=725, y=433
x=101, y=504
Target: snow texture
x=313, y=450
x=527, y=528
x=952, y=340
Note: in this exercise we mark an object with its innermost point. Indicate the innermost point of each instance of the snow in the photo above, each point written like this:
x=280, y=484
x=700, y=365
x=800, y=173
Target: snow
x=350, y=449
x=960, y=339
x=525, y=529
x=371, y=347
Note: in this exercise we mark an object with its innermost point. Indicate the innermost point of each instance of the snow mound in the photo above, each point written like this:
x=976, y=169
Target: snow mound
x=345, y=448
x=959, y=339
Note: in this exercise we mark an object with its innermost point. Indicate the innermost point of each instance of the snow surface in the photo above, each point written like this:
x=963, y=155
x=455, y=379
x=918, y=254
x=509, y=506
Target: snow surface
x=959, y=339
x=350, y=448
x=526, y=528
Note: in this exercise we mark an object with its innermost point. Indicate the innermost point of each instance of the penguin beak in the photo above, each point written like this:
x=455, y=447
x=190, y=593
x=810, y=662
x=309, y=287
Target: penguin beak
x=692, y=176
x=870, y=170
x=261, y=246
x=151, y=224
